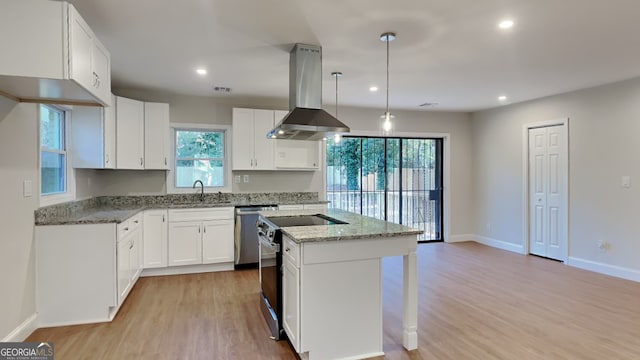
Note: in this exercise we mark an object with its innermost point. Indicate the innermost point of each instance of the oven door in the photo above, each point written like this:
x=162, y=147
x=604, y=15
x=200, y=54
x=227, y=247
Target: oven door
x=270, y=278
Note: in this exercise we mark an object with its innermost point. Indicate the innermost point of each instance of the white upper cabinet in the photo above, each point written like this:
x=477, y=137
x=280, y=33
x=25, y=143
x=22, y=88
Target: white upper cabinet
x=129, y=133
x=51, y=54
x=251, y=148
x=93, y=137
x=156, y=136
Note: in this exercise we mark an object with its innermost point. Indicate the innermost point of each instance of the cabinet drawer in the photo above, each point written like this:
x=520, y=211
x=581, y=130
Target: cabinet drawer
x=200, y=214
x=291, y=251
x=291, y=207
x=129, y=225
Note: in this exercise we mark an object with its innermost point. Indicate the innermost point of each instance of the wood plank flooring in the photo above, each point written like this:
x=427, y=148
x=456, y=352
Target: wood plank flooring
x=475, y=302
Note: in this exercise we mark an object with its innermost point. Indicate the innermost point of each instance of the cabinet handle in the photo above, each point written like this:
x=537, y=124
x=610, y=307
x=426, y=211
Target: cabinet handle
x=256, y=162
x=162, y=218
x=126, y=229
x=131, y=246
x=140, y=161
x=165, y=161
x=204, y=229
x=136, y=221
x=286, y=249
x=198, y=229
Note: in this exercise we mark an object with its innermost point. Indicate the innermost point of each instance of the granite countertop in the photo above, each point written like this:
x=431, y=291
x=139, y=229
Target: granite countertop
x=118, y=214
x=107, y=215
x=357, y=227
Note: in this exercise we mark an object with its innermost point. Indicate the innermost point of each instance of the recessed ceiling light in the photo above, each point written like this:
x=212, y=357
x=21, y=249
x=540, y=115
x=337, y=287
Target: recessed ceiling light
x=373, y=89
x=506, y=24
x=201, y=71
x=502, y=98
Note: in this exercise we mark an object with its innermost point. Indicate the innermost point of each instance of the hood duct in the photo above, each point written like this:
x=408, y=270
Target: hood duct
x=306, y=120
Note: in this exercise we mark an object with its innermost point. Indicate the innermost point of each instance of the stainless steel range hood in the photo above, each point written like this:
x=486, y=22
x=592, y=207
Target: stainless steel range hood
x=306, y=120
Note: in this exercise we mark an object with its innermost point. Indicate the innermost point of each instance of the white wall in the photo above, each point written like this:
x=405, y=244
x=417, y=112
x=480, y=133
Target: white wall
x=18, y=162
x=604, y=133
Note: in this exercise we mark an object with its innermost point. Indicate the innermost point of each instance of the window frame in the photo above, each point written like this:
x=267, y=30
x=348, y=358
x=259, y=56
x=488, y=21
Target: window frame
x=226, y=160
x=70, y=184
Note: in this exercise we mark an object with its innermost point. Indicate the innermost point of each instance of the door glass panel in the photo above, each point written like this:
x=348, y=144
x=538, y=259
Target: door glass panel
x=393, y=179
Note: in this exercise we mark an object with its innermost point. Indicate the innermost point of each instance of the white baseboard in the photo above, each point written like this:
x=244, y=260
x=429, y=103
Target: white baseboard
x=23, y=330
x=611, y=270
x=499, y=244
x=460, y=238
x=187, y=269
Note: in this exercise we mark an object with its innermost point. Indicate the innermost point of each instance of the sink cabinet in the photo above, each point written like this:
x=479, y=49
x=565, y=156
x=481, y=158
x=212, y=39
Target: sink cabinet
x=200, y=236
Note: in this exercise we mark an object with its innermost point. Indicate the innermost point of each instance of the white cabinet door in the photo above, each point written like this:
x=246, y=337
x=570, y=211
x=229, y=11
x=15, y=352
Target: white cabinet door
x=93, y=137
x=156, y=136
x=297, y=155
x=129, y=133
x=124, y=268
x=80, y=49
x=217, y=241
x=155, y=238
x=101, y=71
x=263, y=146
x=242, y=144
x=109, y=129
x=185, y=243
x=291, y=302
x=135, y=256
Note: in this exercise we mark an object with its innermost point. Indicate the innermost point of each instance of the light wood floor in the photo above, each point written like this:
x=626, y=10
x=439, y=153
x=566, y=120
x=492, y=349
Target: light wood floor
x=475, y=302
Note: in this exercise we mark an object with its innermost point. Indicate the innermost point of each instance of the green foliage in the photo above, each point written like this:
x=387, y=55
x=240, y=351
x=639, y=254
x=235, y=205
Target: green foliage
x=354, y=154
x=199, y=144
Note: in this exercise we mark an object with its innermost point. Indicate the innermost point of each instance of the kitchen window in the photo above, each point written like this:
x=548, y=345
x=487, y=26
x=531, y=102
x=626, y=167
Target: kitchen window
x=56, y=177
x=200, y=154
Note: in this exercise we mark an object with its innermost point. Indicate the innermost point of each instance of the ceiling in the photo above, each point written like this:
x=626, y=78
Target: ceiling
x=449, y=52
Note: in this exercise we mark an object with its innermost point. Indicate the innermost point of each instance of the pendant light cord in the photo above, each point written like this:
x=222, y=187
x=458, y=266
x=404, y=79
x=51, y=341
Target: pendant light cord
x=387, y=73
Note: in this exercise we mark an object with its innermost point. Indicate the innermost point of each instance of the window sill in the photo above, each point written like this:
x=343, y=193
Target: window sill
x=46, y=200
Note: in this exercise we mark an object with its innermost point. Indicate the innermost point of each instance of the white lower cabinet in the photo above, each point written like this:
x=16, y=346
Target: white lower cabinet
x=216, y=246
x=200, y=236
x=185, y=243
x=129, y=255
x=155, y=239
x=85, y=272
x=291, y=293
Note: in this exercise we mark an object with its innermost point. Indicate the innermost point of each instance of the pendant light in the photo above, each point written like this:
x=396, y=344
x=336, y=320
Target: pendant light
x=336, y=74
x=387, y=124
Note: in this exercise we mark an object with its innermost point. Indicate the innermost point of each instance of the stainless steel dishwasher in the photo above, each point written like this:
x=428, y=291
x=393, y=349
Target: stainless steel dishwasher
x=246, y=234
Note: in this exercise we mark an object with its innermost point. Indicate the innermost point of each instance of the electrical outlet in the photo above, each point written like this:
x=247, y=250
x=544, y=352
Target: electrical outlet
x=245, y=178
x=27, y=188
x=236, y=179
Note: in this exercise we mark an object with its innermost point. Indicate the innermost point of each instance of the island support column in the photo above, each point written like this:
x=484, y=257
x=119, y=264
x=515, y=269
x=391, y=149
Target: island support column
x=410, y=297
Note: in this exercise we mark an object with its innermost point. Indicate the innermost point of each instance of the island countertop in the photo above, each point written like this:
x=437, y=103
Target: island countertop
x=357, y=227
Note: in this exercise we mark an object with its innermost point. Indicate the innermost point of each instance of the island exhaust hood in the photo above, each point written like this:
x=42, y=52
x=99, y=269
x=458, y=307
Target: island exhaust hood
x=306, y=120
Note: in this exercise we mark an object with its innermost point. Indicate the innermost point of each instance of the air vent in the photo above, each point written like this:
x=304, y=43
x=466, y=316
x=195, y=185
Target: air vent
x=429, y=104
x=222, y=89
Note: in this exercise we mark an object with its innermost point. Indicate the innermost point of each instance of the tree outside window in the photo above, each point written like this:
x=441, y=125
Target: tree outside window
x=199, y=156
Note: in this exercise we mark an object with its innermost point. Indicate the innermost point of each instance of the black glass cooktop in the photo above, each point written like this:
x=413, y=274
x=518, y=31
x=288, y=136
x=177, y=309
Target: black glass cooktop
x=304, y=220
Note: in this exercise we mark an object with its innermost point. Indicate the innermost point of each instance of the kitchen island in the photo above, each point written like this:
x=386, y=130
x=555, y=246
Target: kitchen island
x=332, y=284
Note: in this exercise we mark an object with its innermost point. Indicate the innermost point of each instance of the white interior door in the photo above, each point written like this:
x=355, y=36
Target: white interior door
x=548, y=187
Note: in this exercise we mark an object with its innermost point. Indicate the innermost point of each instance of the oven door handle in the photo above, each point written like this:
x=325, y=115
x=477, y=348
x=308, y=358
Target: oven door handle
x=273, y=246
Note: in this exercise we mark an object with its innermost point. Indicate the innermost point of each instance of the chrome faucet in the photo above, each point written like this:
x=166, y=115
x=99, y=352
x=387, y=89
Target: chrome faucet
x=201, y=189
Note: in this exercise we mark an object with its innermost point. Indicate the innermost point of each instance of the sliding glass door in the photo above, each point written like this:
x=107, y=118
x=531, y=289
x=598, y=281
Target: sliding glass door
x=393, y=179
